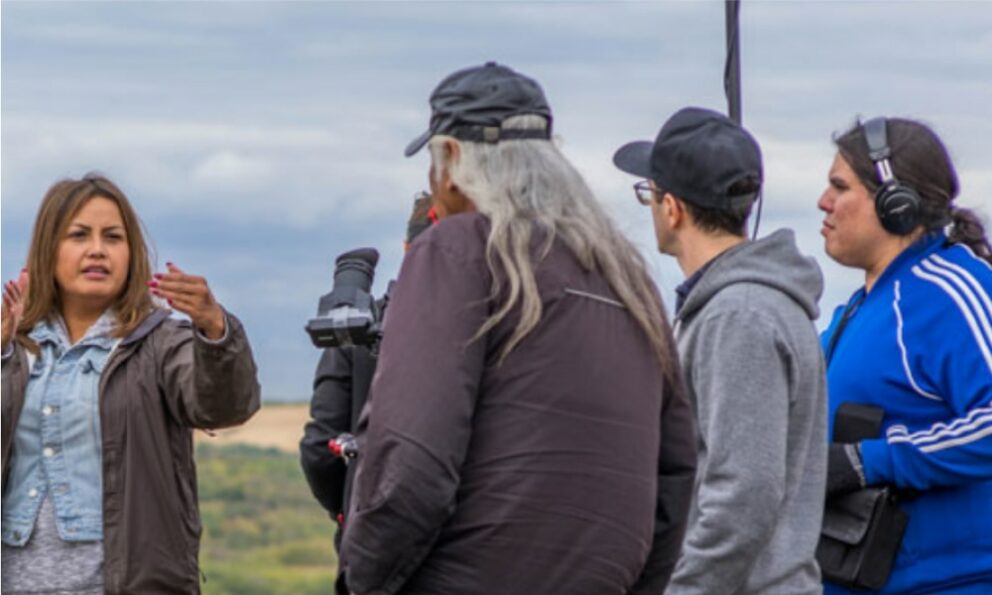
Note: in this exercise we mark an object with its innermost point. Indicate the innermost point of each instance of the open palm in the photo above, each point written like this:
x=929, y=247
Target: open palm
x=14, y=293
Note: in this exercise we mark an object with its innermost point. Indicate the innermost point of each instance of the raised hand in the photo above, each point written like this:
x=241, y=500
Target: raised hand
x=14, y=293
x=190, y=295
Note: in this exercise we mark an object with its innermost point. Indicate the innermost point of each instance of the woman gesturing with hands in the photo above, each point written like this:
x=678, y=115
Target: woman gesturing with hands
x=101, y=391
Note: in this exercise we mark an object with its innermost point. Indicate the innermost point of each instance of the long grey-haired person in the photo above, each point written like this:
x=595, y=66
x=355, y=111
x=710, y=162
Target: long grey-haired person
x=528, y=430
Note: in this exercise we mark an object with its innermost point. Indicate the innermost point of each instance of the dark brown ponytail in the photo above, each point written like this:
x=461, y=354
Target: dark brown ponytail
x=968, y=229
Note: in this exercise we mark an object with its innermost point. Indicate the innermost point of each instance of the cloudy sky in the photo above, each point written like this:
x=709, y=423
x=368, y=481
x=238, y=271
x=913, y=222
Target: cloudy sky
x=259, y=140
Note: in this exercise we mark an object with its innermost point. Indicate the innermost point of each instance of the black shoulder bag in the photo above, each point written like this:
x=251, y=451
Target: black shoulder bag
x=862, y=530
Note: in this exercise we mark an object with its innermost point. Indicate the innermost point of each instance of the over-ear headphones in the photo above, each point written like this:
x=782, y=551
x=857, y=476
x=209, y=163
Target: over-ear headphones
x=898, y=205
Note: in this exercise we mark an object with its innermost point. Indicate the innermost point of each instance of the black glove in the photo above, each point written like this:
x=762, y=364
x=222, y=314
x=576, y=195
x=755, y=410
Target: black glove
x=845, y=473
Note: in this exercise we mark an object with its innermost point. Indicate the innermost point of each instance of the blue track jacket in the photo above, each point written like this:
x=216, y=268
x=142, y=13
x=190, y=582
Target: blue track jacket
x=919, y=345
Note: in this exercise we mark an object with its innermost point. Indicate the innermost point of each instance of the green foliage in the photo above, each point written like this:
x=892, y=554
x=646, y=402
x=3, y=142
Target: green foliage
x=263, y=532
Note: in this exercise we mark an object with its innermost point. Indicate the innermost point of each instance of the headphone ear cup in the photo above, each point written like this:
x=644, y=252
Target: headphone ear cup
x=898, y=207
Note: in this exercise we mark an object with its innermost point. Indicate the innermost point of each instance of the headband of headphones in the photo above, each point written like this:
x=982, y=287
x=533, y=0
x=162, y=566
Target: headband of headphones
x=877, y=139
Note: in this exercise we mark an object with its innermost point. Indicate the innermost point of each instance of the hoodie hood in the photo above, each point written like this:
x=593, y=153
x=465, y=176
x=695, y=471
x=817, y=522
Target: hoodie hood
x=774, y=261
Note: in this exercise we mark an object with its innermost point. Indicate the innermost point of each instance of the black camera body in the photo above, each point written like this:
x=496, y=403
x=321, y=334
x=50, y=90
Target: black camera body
x=349, y=315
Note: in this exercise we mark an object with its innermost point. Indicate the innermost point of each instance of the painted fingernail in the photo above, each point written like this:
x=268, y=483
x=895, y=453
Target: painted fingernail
x=153, y=283
x=158, y=275
x=170, y=301
x=169, y=264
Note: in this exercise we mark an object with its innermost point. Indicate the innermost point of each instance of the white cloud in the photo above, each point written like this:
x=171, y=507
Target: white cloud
x=227, y=172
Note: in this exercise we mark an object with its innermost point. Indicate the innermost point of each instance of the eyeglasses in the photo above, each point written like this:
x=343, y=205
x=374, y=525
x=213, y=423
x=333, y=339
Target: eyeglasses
x=646, y=192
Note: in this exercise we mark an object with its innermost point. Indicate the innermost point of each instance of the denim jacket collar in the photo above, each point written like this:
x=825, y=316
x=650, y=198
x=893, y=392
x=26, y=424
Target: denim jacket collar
x=53, y=330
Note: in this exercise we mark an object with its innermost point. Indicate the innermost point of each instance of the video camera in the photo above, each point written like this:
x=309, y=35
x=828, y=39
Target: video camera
x=349, y=315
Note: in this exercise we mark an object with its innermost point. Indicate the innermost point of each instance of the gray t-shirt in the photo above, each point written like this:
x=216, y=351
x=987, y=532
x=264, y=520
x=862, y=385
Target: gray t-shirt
x=47, y=565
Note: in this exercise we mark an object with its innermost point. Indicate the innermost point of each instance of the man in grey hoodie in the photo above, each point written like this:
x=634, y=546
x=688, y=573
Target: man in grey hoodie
x=750, y=357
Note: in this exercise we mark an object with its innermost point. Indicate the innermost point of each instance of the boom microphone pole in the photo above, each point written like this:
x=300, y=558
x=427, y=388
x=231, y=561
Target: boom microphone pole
x=732, y=68
x=732, y=81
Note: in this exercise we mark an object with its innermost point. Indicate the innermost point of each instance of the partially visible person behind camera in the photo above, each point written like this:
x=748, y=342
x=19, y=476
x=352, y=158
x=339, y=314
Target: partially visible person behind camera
x=101, y=390
x=915, y=341
x=528, y=432
x=340, y=390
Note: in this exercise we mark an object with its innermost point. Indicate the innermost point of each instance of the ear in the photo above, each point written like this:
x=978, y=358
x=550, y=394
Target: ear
x=452, y=149
x=452, y=152
x=673, y=210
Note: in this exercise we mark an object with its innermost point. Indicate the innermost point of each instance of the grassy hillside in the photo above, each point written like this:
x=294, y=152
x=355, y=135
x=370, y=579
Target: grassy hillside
x=263, y=533
x=276, y=425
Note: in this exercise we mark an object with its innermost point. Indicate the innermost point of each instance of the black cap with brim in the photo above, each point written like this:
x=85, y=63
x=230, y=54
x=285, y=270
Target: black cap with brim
x=635, y=158
x=699, y=155
x=418, y=143
x=472, y=104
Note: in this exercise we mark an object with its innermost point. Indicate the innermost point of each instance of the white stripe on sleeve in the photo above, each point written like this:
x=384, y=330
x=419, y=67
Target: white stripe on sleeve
x=976, y=418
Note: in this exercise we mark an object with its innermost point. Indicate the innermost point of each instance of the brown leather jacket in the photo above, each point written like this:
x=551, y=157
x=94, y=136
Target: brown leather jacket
x=159, y=383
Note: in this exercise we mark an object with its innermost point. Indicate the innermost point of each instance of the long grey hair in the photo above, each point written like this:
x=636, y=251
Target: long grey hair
x=523, y=185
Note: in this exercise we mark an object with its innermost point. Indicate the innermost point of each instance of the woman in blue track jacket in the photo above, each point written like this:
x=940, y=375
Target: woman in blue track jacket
x=916, y=341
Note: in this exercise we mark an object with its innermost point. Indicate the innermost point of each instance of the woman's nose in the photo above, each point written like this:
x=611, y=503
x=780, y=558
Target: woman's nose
x=825, y=203
x=97, y=247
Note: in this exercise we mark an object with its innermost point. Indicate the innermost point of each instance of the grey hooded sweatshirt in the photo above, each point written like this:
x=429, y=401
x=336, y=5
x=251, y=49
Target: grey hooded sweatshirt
x=755, y=374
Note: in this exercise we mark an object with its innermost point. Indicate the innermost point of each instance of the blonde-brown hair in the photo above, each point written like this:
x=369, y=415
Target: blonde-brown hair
x=61, y=203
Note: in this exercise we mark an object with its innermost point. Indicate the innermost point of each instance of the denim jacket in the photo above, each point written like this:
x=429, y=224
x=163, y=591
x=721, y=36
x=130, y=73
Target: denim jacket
x=57, y=440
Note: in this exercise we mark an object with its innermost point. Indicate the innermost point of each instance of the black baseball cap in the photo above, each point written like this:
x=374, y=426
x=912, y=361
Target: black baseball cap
x=471, y=104
x=699, y=155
